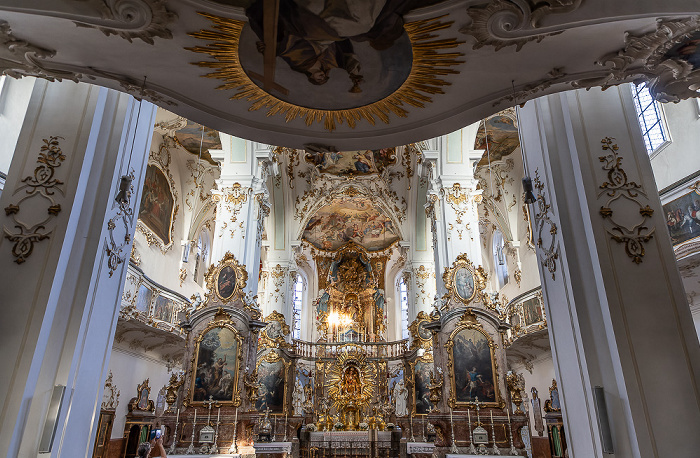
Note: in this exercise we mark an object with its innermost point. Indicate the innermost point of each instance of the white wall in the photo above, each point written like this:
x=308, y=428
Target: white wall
x=541, y=378
x=130, y=367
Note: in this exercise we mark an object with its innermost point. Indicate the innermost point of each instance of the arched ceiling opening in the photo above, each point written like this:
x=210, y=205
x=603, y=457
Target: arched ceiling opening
x=367, y=75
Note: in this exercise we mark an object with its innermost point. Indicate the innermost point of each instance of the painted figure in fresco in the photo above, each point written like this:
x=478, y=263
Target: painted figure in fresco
x=464, y=282
x=400, y=394
x=473, y=379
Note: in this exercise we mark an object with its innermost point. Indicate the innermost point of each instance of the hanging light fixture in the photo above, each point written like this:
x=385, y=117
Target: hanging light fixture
x=124, y=193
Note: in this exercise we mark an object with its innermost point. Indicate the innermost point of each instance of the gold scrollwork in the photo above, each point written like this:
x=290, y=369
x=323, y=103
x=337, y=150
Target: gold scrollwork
x=549, y=254
x=115, y=253
x=231, y=268
x=430, y=64
x=221, y=320
x=275, y=333
x=43, y=184
x=618, y=186
x=469, y=321
x=141, y=401
x=420, y=336
x=465, y=282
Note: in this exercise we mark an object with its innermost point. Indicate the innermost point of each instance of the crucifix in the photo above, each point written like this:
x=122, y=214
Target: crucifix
x=209, y=403
x=271, y=12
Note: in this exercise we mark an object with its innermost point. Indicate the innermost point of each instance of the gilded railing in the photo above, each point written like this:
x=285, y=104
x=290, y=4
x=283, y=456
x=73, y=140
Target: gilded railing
x=526, y=315
x=317, y=350
x=148, y=302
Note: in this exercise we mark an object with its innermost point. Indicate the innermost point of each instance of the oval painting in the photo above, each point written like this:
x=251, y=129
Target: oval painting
x=464, y=284
x=423, y=332
x=226, y=283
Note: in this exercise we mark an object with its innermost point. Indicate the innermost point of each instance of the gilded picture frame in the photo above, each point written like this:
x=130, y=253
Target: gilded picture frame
x=159, y=163
x=420, y=336
x=464, y=281
x=468, y=322
x=202, y=361
x=226, y=280
x=275, y=333
x=142, y=401
x=420, y=384
x=272, y=356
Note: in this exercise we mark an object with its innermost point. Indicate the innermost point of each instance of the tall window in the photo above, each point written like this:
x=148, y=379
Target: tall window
x=296, y=312
x=499, y=259
x=650, y=117
x=403, y=297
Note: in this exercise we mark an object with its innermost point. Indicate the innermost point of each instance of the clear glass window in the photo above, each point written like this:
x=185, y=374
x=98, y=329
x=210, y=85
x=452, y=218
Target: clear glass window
x=296, y=318
x=650, y=117
x=403, y=296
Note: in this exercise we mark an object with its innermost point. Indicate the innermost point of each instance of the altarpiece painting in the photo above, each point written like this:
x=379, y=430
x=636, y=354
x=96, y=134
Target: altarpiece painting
x=272, y=376
x=216, y=364
x=471, y=355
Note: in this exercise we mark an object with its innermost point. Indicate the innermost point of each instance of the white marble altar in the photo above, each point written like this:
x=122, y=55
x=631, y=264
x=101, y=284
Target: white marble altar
x=419, y=447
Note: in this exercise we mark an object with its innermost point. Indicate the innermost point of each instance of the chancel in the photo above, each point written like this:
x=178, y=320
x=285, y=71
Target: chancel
x=285, y=228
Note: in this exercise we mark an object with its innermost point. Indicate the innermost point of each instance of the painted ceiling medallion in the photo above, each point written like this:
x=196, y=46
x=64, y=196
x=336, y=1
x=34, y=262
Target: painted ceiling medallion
x=337, y=71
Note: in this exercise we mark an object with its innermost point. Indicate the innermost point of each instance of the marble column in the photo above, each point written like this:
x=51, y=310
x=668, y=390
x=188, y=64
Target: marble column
x=617, y=313
x=65, y=247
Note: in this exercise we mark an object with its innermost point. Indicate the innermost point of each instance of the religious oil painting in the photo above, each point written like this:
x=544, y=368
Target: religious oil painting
x=271, y=392
x=348, y=219
x=349, y=163
x=143, y=299
x=498, y=137
x=327, y=55
x=422, y=372
x=163, y=309
x=532, y=311
x=216, y=365
x=226, y=282
x=157, y=204
x=464, y=283
x=683, y=217
x=688, y=50
x=195, y=139
x=473, y=367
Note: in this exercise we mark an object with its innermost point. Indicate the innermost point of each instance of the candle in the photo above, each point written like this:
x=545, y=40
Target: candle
x=177, y=420
x=195, y=416
x=218, y=415
x=492, y=417
x=236, y=419
x=469, y=418
x=508, y=413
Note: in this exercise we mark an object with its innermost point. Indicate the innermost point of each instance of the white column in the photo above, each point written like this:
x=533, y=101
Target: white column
x=60, y=305
x=613, y=322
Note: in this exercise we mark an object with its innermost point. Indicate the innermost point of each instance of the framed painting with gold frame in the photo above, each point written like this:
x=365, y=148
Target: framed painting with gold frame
x=420, y=336
x=472, y=365
x=464, y=281
x=272, y=370
x=226, y=279
x=216, y=363
x=142, y=402
x=420, y=369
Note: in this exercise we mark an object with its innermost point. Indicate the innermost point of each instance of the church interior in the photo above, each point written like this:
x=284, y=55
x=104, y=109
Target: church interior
x=472, y=234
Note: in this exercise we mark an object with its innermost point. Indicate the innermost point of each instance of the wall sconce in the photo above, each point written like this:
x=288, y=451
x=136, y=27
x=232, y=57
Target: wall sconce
x=124, y=193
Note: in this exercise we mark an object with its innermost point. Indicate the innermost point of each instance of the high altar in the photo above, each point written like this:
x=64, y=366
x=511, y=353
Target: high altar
x=248, y=389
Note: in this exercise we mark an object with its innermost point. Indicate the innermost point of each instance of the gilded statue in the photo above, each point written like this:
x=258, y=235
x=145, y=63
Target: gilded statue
x=351, y=382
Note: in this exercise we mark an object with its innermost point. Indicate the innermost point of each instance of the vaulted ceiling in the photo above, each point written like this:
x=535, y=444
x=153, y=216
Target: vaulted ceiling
x=369, y=75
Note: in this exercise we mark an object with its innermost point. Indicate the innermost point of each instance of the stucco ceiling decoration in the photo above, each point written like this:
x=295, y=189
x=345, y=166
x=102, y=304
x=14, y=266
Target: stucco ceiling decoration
x=561, y=43
x=414, y=74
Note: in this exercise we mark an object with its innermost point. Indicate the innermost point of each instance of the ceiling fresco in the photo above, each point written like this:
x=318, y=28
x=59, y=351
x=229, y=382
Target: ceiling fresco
x=498, y=137
x=348, y=219
x=190, y=137
x=349, y=163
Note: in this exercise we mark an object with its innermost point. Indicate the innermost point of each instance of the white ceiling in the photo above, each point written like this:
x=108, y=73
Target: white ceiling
x=41, y=38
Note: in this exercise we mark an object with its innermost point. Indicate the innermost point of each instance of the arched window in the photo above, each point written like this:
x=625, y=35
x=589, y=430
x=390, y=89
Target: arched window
x=499, y=259
x=650, y=118
x=296, y=307
x=403, y=298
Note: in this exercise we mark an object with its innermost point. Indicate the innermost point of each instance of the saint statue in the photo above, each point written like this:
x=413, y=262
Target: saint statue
x=298, y=398
x=351, y=382
x=400, y=394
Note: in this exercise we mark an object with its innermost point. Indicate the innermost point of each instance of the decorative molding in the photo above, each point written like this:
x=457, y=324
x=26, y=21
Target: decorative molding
x=20, y=58
x=130, y=19
x=42, y=184
x=232, y=200
x=430, y=64
x=502, y=23
x=618, y=186
x=458, y=198
x=646, y=56
x=110, y=398
x=115, y=253
x=548, y=255
x=274, y=335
